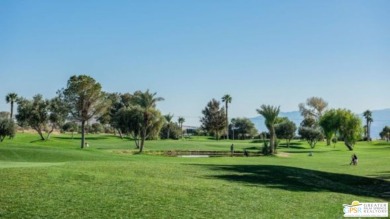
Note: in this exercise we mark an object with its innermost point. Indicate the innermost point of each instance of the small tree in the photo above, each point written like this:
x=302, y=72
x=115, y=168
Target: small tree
x=70, y=127
x=168, y=119
x=270, y=114
x=40, y=114
x=147, y=102
x=131, y=121
x=7, y=128
x=330, y=123
x=11, y=98
x=368, y=116
x=350, y=127
x=385, y=133
x=174, y=131
x=286, y=130
x=181, y=120
x=243, y=127
x=214, y=119
x=312, y=135
x=97, y=128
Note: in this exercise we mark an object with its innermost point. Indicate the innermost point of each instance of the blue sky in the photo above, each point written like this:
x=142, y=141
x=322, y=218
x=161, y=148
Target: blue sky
x=259, y=52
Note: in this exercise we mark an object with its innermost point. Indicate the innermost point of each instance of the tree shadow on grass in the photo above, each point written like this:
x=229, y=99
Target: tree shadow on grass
x=299, y=179
x=253, y=148
x=79, y=138
x=306, y=152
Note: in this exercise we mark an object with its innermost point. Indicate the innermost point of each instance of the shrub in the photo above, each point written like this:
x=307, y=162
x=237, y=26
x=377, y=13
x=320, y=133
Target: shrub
x=7, y=128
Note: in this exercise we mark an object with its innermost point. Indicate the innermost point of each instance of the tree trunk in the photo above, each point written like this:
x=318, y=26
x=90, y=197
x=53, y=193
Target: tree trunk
x=136, y=141
x=49, y=133
x=120, y=134
x=328, y=142
x=143, y=137
x=227, y=122
x=288, y=143
x=12, y=110
x=349, y=145
x=82, y=134
x=40, y=133
x=272, y=140
x=168, y=132
x=368, y=131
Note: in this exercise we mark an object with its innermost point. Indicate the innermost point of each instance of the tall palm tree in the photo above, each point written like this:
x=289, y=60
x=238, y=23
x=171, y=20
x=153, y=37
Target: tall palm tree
x=147, y=101
x=181, y=120
x=11, y=98
x=168, y=118
x=368, y=115
x=227, y=99
x=270, y=114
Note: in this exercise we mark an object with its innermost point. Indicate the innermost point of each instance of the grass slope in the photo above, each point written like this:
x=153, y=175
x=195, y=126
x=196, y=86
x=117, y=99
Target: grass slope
x=56, y=179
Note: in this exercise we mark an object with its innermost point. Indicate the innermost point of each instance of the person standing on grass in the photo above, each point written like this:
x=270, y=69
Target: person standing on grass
x=232, y=149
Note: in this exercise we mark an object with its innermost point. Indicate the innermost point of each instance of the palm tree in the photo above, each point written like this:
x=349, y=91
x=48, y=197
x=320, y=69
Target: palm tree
x=181, y=120
x=368, y=115
x=227, y=99
x=270, y=114
x=168, y=118
x=11, y=98
x=147, y=101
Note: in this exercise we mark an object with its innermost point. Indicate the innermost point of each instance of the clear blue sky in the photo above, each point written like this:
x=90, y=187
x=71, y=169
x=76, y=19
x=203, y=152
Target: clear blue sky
x=259, y=52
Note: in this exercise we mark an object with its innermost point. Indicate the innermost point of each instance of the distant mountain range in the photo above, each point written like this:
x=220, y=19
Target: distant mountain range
x=381, y=119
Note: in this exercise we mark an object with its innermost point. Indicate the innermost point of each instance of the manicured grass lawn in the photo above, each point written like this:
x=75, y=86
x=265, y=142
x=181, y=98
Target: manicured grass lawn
x=56, y=179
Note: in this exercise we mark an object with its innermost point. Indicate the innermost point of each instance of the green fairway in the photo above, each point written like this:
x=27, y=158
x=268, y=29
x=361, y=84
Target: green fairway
x=56, y=179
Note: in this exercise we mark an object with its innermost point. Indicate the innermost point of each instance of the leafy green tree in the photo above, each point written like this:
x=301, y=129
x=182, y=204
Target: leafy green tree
x=117, y=102
x=131, y=121
x=286, y=130
x=85, y=99
x=174, y=131
x=7, y=128
x=312, y=135
x=42, y=115
x=330, y=124
x=11, y=98
x=270, y=114
x=168, y=119
x=97, y=128
x=385, y=133
x=214, y=118
x=350, y=127
x=243, y=128
x=368, y=116
x=147, y=102
x=310, y=131
x=59, y=112
x=227, y=99
x=70, y=127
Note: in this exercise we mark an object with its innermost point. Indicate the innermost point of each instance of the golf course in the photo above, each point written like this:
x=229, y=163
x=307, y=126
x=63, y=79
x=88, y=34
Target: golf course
x=109, y=179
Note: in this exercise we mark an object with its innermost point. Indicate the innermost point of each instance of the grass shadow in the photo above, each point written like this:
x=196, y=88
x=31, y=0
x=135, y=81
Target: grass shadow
x=299, y=179
x=94, y=138
x=253, y=148
x=306, y=151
